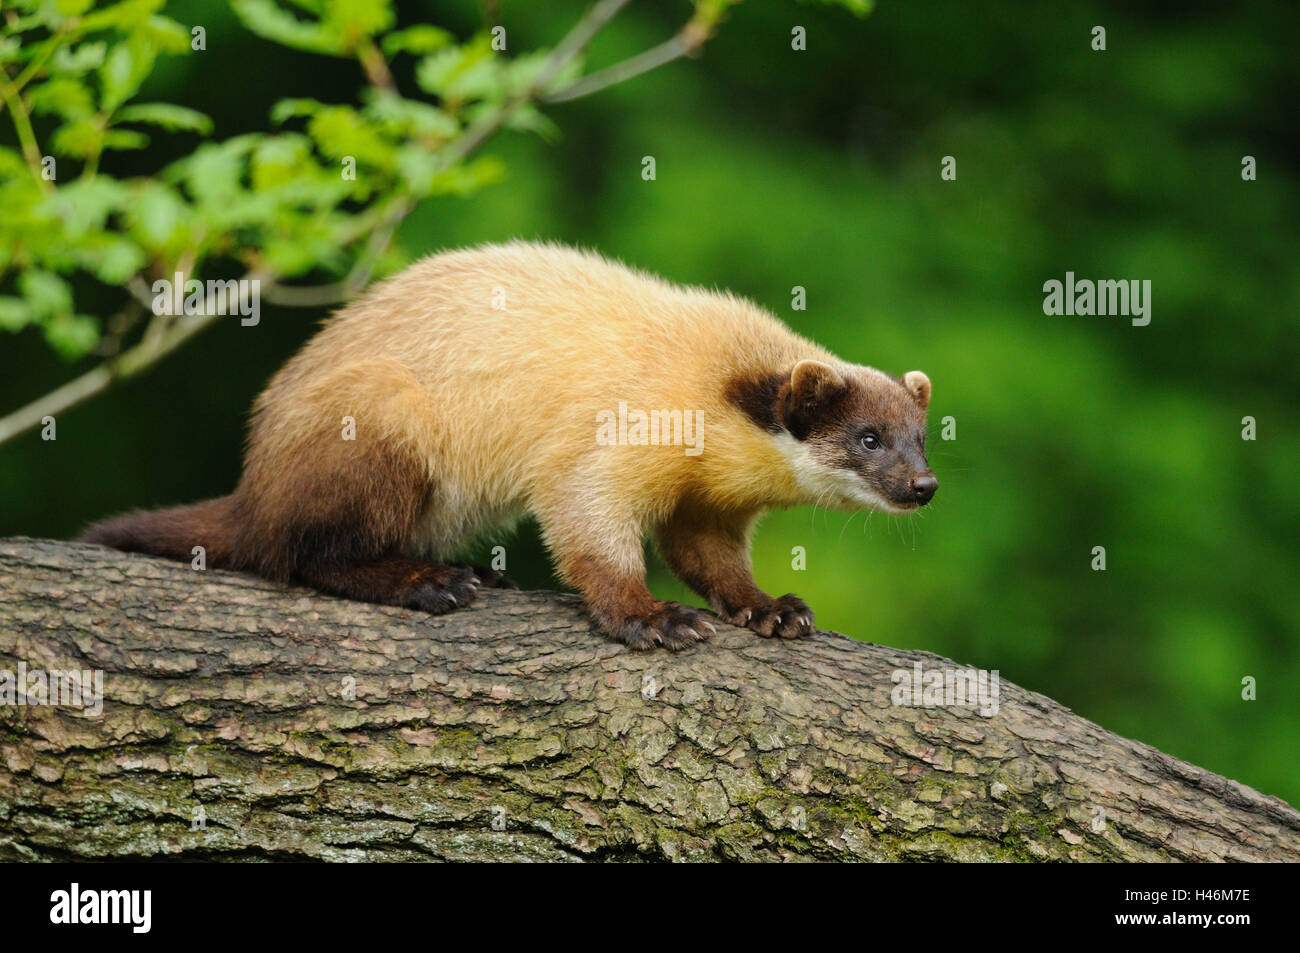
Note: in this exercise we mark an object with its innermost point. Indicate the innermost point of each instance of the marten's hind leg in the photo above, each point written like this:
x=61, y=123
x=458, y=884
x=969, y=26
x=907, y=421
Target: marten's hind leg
x=398, y=581
x=334, y=486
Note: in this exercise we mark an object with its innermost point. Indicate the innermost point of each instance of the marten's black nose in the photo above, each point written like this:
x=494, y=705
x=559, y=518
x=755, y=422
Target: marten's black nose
x=923, y=488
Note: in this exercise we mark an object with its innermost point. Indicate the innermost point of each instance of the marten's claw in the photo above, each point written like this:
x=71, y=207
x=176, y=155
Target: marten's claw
x=788, y=617
x=444, y=589
x=672, y=625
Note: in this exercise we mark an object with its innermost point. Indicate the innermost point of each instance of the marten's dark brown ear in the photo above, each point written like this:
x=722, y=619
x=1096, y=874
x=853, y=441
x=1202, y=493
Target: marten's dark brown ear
x=813, y=383
x=919, y=385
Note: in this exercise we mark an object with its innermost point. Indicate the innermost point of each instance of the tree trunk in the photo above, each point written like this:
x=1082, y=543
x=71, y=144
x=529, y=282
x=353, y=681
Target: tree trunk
x=243, y=720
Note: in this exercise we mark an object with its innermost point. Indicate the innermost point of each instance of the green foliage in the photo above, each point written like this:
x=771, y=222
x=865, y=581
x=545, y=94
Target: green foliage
x=298, y=199
x=167, y=116
x=337, y=29
x=419, y=39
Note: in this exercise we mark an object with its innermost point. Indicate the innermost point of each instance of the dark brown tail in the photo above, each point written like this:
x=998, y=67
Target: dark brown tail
x=173, y=532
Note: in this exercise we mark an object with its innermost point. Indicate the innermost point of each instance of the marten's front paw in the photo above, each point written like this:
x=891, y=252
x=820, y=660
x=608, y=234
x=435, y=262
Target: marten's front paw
x=789, y=617
x=672, y=625
x=442, y=589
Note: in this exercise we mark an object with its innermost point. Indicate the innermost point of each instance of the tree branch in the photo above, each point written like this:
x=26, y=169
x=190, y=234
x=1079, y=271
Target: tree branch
x=582, y=34
x=159, y=341
x=13, y=99
x=651, y=59
x=244, y=720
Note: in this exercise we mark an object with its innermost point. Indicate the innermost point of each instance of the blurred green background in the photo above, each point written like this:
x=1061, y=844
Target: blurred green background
x=821, y=169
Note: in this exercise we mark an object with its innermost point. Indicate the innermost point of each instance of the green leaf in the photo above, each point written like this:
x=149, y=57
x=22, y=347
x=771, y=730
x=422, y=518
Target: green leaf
x=281, y=159
x=62, y=96
x=82, y=139
x=10, y=47
x=14, y=313
x=287, y=109
x=213, y=173
x=290, y=257
x=469, y=72
x=84, y=205
x=111, y=258
x=165, y=34
x=242, y=210
x=74, y=62
x=46, y=292
x=11, y=164
x=523, y=71
x=466, y=179
x=857, y=7
x=418, y=169
x=419, y=39
x=157, y=217
x=355, y=19
x=123, y=71
x=72, y=335
x=405, y=118
x=73, y=8
x=269, y=21
x=121, y=16
x=339, y=131
x=167, y=116
x=529, y=119
x=125, y=139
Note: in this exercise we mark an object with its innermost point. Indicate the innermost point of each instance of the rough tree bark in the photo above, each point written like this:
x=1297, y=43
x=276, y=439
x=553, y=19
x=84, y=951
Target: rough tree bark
x=226, y=699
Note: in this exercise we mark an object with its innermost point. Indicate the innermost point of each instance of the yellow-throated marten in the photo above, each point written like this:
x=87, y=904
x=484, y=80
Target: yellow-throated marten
x=524, y=378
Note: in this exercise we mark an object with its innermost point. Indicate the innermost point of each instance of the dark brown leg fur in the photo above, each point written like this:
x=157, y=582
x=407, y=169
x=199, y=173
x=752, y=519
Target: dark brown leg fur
x=315, y=508
x=398, y=581
x=626, y=611
x=709, y=551
x=336, y=517
x=321, y=503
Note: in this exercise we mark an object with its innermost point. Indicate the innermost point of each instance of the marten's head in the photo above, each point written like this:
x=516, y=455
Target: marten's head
x=854, y=436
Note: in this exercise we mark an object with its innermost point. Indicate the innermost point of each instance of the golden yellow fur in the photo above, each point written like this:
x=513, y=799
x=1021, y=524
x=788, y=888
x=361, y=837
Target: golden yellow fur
x=501, y=402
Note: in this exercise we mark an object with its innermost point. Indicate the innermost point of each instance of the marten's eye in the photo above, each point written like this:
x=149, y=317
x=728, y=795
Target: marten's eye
x=870, y=442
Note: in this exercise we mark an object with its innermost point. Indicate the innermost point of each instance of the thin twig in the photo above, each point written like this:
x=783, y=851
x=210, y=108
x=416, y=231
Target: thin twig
x=651, y=59
x=375, y=67
x=569, y=47
x=128, y=364
x=23, y=127
x=140, y=291
x=71, y=394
